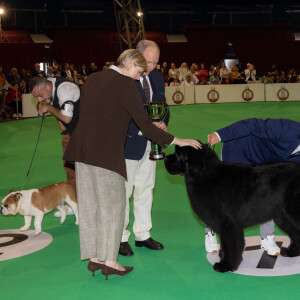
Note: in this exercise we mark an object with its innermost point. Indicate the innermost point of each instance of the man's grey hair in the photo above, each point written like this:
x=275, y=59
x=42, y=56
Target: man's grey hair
x=38, y=82
x=144, y=44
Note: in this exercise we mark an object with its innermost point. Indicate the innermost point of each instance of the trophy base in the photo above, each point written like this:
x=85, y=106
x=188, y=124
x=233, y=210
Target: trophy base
x=157, y=155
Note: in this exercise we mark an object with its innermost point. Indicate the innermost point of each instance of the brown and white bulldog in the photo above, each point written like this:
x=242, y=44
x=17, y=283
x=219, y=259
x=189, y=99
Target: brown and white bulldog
x=37, y=202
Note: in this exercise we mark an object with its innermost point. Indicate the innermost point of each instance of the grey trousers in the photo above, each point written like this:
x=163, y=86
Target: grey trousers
x=101, y=201
x=266, y=229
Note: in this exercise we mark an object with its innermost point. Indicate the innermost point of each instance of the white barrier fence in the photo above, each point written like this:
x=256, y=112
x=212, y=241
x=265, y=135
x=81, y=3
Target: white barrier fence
x=180, y=95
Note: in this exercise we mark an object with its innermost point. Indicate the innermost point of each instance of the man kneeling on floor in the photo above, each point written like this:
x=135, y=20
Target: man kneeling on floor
x=257, y=141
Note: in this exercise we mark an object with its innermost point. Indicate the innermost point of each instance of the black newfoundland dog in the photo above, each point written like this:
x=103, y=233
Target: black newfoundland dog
x=230, y=197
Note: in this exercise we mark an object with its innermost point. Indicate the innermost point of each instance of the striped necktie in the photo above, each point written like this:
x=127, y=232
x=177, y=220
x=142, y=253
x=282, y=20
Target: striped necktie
x=146, y=88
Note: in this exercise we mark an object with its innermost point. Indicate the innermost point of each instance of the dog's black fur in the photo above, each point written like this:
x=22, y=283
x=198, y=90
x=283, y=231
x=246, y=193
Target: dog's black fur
x=229, y=197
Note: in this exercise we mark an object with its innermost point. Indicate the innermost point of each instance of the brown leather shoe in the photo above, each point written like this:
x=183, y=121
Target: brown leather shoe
x=150, y=244
x=125, y=249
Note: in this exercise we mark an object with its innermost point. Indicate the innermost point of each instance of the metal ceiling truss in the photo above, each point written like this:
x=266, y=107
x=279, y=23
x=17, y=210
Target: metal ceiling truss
x=130, y=24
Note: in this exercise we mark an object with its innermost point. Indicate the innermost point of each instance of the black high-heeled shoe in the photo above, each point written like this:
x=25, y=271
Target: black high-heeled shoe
x=106, y=270
x=93, y=267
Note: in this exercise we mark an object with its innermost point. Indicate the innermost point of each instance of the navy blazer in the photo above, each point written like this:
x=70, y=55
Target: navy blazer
x=255, y=141
x=136, y=144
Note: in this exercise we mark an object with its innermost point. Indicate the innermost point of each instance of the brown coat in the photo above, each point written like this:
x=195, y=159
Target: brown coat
x=108, y=103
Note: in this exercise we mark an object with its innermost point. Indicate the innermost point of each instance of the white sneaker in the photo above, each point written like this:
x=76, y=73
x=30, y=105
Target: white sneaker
x=268, y=244
x=211, y=244
x=69, y=212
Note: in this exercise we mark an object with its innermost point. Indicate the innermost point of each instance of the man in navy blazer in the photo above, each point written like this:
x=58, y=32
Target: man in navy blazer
x=257, y=141
x=140, y=169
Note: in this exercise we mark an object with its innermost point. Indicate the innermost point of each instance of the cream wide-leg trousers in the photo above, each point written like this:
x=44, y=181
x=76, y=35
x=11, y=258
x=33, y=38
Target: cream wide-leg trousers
x=141, y=176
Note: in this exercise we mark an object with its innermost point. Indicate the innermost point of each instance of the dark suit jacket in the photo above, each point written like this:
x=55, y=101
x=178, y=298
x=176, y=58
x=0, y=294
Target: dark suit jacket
x=256, y=141
x=109, y=101
x=135, y=145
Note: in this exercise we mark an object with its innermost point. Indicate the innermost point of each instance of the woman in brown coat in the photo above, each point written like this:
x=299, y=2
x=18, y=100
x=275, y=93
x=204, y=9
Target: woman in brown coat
x=110, y=99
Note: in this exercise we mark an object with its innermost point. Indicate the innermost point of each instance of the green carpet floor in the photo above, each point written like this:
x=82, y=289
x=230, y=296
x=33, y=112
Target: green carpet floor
x=180, y=271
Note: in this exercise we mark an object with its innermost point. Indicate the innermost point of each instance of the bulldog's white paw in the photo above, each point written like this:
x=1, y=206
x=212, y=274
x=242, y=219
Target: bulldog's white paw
x=24, y=228
x=37, y=232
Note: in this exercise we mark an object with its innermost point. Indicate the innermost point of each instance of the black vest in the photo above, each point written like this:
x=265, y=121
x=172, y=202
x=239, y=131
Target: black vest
x=71, y=125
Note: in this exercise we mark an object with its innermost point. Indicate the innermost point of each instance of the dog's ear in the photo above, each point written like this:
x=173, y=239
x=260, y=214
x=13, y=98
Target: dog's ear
x=11, y=191
x=17, y=196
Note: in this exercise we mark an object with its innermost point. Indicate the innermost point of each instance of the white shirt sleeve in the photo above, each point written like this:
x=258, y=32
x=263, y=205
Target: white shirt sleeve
x=68, y=91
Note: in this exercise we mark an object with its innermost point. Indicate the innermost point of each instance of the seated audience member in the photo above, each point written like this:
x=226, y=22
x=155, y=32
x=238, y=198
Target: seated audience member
x=223, y=72
x=23, y=87
x=183, y=70
x=250, y=73
x=173, y=73
x=10, y=100
x=193, y=74
x=37, y=72
x=273, y=71
x=188, y=80
x=269, y=79
x=282, y=78
x=214, y=78
x=73, y=73
x=107, y=64
x=13, y=77
x=212, y=70
x=202, y=73
x=164, y=74
x=203, y=82
x=234, y=73
x=25, y=75
x=195, y=66
x=226, y=79
x=56, y=71
x=175, y=82
x=165, y=67
x=239, y=79
x=83, y=72
x=104, y=68
x=93, y=68
x=293, y=78
x=290, y=74
x=66, y=73
x=50, y=72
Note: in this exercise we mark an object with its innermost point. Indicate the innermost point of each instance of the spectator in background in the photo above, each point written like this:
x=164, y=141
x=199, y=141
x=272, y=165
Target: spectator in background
x=250, y=73
x=173, y=73
x=214, y=78
x=293, y=78
x=56, y=71
x=282, y=78
x=202, y=73
x=92, y=69
x=175, y=82
x=66, y=73
x=83, y=72
x=13, y=77
x=223, y=72
x=23, y=87
x=37, y=72
x=269, y=79
x=226, y=79
x=184, y=68
x=73, y=73
x=212, y=70
x=273, y=71
x=234, y=73
x=10, y=100
x=50, y=72
x=188, y=80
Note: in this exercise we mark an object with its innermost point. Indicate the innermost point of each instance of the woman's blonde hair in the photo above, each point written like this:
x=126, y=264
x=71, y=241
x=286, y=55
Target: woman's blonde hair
x=132, y=55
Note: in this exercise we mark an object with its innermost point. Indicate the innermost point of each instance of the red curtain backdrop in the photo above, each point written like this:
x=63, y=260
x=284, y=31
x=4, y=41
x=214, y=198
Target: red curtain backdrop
x=262, y=45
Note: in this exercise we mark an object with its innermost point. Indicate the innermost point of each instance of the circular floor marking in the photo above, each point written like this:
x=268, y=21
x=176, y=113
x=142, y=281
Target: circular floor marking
x=14, y=243
x=282, y=266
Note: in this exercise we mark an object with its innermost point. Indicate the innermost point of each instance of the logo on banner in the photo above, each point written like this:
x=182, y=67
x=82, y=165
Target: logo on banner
x=283, y=94
x=178, y=97
x=247, y=94
x=213, y=95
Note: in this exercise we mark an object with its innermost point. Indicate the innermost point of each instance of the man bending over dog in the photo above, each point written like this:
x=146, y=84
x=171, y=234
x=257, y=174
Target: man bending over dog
x=257, y=141
x=61, y=98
